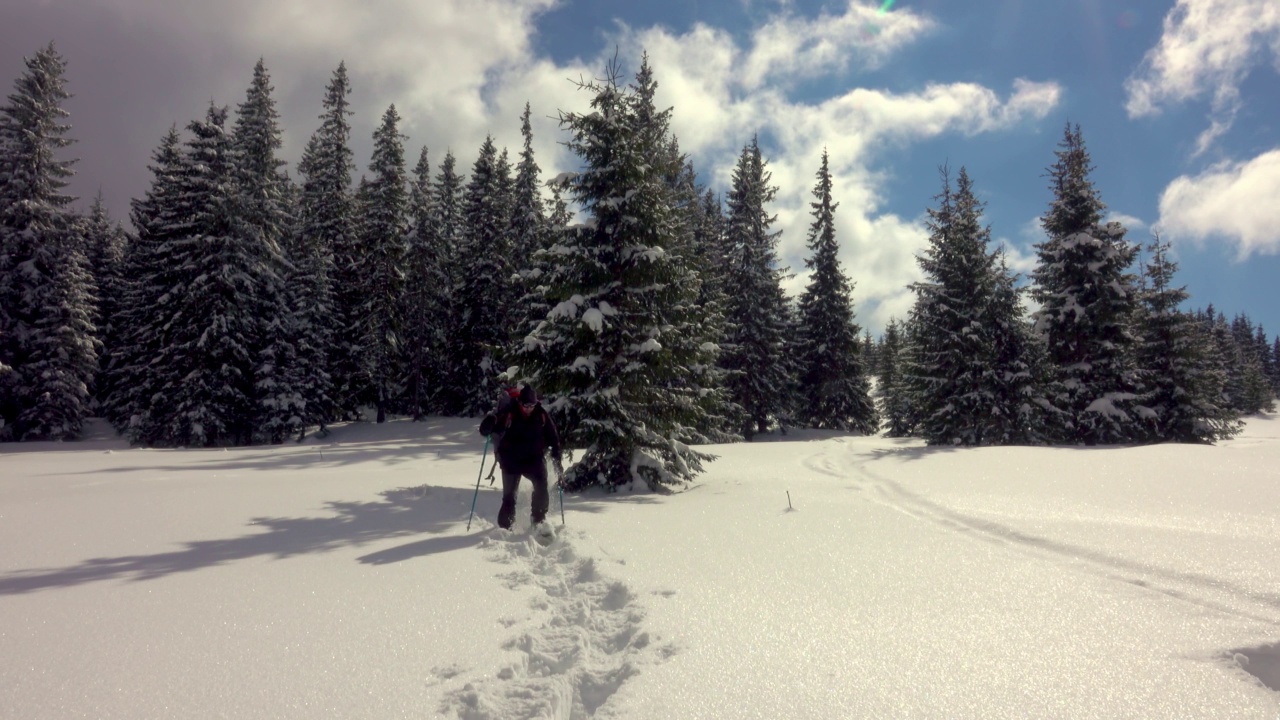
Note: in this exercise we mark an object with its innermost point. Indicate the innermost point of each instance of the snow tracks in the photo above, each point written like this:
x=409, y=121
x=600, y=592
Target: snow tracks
x=582, y=643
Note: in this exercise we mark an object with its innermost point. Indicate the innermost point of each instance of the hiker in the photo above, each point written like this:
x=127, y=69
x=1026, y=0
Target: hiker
x=525, y=430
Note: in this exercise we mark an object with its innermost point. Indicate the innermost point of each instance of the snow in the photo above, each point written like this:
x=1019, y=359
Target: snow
x=816, y=575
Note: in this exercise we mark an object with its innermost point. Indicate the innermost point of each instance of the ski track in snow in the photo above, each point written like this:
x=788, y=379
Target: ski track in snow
x=1201, y=590
x=586, y=641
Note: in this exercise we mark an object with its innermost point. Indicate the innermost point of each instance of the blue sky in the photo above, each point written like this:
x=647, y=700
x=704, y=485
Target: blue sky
x=1178, y=102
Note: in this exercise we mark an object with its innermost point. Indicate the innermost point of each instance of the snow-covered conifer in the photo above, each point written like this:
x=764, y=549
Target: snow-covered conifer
x=484, y=295
x=1185, y=390
x=756, y=350
x=384, y=227
x=205, y=370
x=895, y=408
x=970, y=377
x=47, y=336
x=105, y=243
x=147, y=265
x=425, y=295
x=835, y=392
x=613, y=352
x=264, y=188
x=327, y=225
x=1088, y=299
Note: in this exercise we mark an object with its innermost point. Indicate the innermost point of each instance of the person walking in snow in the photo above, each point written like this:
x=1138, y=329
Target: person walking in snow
x=525, y=431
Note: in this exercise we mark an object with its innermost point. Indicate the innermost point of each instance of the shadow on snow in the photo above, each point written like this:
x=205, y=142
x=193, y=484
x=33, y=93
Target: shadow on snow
x=402, y=512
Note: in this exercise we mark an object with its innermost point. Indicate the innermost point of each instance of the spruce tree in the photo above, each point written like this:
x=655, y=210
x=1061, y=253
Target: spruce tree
x=756, y=351
x=705, y=216
x=147, y=267
x=329, y=219
x=613, y=353
x=266, y=218
x=528, y=211
x=895, y=407
x=105, y=243
x=205, y=371
x=323, y=235
x=951, y=376
x=1088, y=299
x=1020, y=372
x=530, y=235
x=970, y=376
x=835, y=392
x=1185, y=392
x=426, y=290
x=47, y=336
x=484, y=295
x=382, y=258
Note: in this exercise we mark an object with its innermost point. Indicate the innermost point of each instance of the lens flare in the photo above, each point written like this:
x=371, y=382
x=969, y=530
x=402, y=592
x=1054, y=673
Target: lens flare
x=888, y=4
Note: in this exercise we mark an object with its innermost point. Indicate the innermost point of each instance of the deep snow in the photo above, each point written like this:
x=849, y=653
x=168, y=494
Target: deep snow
x=336, y=578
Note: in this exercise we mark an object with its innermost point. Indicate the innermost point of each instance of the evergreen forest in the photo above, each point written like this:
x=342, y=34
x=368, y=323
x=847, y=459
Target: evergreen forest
x=242, y=303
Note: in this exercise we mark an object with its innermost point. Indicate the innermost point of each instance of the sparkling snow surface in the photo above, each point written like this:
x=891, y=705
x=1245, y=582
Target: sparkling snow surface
x=337, y=579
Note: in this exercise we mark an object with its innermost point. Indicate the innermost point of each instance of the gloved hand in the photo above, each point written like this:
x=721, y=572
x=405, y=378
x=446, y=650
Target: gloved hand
x=486, y=425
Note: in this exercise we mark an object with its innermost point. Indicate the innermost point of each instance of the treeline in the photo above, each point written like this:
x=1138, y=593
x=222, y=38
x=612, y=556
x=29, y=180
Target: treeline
x=1108, y=358
x=247, y=305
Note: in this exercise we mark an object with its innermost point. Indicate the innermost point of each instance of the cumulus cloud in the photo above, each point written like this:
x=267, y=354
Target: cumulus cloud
x=718, y=110
x=789, y=47
x=1231, y=202
x=460, y=69
x=1208, y=48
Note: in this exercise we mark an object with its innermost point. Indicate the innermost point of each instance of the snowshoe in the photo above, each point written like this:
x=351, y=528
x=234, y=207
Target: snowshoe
x=544, y=533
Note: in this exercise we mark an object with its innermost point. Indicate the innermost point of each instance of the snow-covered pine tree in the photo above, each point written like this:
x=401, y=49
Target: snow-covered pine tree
x=147, y=268
x=756, y=351
x=971, y=376
x=613, y=352
x=206, y=364
x=869, y=359
x=1088, y=299
x=384, y=226
x=47, y=337
x=705, y=218
x=426, y=287
x=449, y=228
x=279, y=378
x=1275, y=365
x=1185, y=389
x=835, y=392
x=328, y=222
x=1263, y=350
x=1254, y=394
x=895, y=407
x=484, y=294
x=951, y=376
x=530, y=235
x=105, y=243
x=1019, y=369
x=324, y=224
x=528, y=211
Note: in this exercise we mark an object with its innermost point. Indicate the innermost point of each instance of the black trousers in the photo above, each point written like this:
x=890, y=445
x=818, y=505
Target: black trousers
x=537, y=474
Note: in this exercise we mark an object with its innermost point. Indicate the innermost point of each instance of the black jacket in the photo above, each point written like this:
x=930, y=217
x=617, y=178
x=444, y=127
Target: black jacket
x=522, y=439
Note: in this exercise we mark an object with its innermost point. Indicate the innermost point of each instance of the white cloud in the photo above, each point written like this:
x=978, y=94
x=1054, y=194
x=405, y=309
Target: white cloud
x=715, y=86
x=459, y=69
x=1235, y=202
x=1130, y=222
x=789, y=47
x=1207, y=47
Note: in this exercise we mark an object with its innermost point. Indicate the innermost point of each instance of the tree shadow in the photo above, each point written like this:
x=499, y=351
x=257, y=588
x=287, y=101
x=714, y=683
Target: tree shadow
x=434, y=438
x=402, y=512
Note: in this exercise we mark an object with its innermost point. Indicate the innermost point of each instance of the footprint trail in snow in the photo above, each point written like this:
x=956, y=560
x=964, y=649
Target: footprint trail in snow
x=584, y=642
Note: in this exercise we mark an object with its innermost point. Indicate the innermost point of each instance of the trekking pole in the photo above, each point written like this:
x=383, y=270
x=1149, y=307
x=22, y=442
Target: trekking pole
x=483, y=455
x=560, y=485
